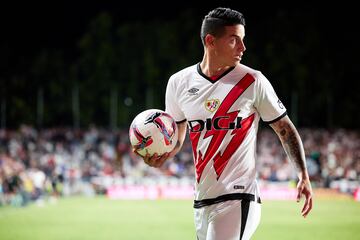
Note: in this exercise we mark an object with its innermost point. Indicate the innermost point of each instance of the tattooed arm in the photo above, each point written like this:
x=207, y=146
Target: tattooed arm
x=294, y=149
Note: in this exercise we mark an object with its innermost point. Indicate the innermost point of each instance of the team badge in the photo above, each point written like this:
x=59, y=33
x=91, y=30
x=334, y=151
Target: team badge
x=212, y=104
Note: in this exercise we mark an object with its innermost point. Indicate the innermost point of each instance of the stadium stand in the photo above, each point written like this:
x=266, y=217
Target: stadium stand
x=50, y=163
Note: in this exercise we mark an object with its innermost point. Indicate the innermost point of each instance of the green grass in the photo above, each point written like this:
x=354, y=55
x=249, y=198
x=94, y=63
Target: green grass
x=99, y=218
x=329, y=220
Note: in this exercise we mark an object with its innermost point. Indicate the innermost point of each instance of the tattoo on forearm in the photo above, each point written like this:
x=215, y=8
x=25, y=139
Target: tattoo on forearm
x=283, y=132
x=292, y=144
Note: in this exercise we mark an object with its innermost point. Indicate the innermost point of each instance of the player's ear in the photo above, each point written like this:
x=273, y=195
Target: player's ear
x=209, y=40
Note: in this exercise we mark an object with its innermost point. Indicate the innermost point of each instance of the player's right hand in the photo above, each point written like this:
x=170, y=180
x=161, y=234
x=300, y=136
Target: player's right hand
x=154, y=160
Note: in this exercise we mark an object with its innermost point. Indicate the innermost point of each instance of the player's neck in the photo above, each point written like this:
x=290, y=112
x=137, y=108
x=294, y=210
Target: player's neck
x=211, y=68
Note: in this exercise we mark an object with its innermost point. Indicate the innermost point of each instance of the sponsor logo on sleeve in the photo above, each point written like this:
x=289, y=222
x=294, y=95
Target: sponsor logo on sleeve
x=280, y=104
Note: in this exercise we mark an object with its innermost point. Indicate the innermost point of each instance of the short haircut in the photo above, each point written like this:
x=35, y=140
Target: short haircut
x=214, y=23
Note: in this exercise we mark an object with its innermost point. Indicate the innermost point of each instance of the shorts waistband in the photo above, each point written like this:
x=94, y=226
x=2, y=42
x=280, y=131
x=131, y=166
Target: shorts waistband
x=226, y=197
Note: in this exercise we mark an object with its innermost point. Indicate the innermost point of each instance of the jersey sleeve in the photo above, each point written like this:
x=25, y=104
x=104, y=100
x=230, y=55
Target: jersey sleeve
x=171, y=101
x=267, y=102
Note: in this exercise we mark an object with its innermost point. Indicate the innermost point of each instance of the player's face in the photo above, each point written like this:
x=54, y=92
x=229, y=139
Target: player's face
x=230, y=47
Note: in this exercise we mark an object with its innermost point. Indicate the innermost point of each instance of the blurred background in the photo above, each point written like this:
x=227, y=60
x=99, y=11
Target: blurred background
x=73, y=76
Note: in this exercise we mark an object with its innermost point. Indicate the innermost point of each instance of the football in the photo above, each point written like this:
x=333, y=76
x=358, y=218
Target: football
x=153, y=131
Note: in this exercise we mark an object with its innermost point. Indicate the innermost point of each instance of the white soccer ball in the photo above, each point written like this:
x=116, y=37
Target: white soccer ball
x=153, y=131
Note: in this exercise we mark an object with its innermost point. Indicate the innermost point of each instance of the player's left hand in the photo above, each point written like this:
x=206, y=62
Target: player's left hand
x=304, y=188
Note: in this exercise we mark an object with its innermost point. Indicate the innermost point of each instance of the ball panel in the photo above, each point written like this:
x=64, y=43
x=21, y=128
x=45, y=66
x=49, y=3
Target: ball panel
x=153, y=131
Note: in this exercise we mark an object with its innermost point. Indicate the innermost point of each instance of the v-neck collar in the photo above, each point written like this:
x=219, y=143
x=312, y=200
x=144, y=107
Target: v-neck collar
x=208, y=78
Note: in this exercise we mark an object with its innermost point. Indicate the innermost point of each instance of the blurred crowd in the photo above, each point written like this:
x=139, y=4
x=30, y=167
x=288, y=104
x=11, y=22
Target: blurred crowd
x=61, y=161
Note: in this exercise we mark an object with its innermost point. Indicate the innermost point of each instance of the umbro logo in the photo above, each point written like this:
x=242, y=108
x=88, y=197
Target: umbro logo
x=193, y=91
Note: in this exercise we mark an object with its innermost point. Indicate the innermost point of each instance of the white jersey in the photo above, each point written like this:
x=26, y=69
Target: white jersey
x=223, y=117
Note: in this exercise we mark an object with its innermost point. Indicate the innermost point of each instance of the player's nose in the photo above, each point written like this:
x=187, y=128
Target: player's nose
x=242, y=47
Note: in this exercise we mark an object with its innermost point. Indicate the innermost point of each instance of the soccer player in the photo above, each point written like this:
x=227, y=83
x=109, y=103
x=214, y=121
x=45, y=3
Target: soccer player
x=220, y=101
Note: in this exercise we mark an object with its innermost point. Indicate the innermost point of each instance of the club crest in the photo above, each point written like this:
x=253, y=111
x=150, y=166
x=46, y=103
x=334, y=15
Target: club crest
x=212, y=104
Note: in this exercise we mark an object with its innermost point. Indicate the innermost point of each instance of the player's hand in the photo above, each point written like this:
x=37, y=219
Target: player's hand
x=304, y=188
x=154, y=160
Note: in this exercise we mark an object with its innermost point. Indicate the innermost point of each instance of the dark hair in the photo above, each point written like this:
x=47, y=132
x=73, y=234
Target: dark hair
x=214, y=23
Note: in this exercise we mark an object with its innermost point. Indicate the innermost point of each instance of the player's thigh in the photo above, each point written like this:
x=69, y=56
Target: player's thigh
x=201, y=222
x=234, y=220
x=252, y=220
